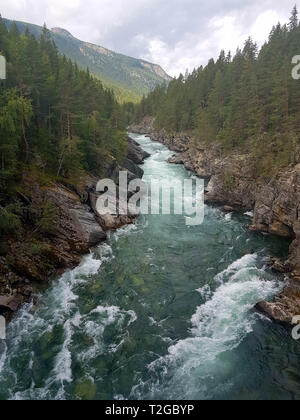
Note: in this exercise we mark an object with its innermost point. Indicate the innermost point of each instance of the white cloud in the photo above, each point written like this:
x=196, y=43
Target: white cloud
x=177, y=34
x=261, y=28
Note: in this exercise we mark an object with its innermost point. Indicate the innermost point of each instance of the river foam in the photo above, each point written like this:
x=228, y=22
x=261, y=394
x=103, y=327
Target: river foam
x=160, y=311
x=58, y=309
x=217, y=327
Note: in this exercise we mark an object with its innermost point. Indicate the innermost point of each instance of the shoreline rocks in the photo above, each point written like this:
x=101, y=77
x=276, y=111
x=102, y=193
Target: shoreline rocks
x=76, y=228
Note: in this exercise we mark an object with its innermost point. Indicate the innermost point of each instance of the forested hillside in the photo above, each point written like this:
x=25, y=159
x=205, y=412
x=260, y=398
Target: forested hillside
x=129, y=77
x=247, y=102
x=56, y=121
x=54, y=117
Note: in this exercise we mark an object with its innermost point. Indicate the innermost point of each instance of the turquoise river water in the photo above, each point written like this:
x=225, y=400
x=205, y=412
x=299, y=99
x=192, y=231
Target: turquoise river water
x=160, y=311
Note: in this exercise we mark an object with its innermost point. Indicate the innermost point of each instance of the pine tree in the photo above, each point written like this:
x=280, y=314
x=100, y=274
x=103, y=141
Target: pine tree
x=3, y=36
x=294, y=19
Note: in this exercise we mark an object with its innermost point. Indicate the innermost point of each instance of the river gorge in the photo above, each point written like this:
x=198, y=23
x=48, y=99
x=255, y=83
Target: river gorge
x=162, y=310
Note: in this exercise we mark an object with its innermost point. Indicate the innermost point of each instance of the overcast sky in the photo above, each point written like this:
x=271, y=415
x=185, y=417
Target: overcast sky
x=177, y=34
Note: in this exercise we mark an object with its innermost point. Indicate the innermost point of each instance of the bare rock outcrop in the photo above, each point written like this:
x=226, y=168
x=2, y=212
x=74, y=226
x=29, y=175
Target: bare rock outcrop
x=135, y=153
x=284, y=306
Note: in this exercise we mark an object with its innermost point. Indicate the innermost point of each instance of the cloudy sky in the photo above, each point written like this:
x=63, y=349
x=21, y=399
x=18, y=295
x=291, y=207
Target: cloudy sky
x=177, y=34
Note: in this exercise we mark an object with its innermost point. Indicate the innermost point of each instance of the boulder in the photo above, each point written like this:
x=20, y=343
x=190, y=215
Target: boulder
x=87, y=224
x=135, y=153
x=134, y=171
x=284, y=306
x=10, y=303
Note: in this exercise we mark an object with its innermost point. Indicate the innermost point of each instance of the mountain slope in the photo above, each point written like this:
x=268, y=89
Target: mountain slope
x=115, y=70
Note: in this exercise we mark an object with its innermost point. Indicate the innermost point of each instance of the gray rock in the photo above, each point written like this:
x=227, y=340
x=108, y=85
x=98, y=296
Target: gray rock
x=134, y=171
x=10, y=303
x=135, y=153
x=284, y=306
x=86, y=222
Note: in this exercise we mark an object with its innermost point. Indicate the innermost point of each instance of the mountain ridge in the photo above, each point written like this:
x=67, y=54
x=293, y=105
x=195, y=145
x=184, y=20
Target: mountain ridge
x=130, y=77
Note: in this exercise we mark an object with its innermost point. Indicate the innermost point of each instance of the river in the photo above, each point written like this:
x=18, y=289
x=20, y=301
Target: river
x=161, y=311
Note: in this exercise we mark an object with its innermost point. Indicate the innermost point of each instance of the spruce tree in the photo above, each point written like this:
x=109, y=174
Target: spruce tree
x=294, y=18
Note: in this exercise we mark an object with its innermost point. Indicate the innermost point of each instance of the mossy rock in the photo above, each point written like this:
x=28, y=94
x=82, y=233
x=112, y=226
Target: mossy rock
x=85, y=390
x=138, y=281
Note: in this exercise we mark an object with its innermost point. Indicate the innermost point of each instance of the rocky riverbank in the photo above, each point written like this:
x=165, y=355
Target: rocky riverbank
x=232, y=183
x=74, y=226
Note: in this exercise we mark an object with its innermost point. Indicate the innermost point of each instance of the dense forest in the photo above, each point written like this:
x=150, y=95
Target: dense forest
x=54, y=118
x=128, y=77
x=247, y=102
x=56, y=121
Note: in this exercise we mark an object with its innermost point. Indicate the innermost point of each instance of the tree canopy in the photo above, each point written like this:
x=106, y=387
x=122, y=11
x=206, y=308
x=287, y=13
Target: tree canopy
x=247, y=102
x=54, y=118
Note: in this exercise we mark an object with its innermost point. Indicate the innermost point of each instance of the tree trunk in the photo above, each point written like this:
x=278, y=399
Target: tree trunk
x=24, y=138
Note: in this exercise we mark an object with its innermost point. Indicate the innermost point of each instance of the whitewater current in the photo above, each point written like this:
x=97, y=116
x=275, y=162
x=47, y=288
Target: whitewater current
x=161, y=311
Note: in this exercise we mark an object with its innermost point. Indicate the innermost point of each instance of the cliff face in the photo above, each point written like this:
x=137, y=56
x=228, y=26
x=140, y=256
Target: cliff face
x=275, y=202
x=76, y=227
x=230, y=179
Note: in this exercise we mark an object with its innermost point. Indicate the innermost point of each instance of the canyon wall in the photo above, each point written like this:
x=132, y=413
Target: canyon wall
x=274, y=200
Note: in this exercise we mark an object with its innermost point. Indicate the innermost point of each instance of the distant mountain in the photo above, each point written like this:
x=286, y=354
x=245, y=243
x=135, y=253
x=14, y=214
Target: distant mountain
x=130, y=77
